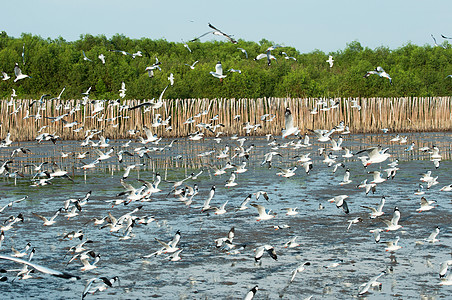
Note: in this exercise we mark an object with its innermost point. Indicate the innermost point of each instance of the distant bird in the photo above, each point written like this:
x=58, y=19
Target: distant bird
x=171, y=79
x=186, y=46
x=436, y=44
x=5, y=76
x=380, y=72
x=192, y=66
x=286, y=56
x=84, y=56
x=218, y=72
x=102, y=58
x=330, y=61
x=216, y=31
x=18, y=73
x=244, y=51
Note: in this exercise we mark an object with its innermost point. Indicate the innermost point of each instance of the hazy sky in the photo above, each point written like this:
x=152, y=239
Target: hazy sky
x=327, y=25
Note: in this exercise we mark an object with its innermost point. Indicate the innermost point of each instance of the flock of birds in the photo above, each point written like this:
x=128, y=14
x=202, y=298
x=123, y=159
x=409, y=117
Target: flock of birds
x=196, y=193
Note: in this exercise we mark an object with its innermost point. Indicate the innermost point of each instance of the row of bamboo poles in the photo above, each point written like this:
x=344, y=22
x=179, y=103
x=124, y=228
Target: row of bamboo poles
x=396, y=114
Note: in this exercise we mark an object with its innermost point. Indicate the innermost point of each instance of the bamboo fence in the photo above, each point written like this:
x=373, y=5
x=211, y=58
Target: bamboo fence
x=398, y=114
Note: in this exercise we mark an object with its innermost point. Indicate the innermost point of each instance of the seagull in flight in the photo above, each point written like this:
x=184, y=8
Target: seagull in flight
x=216, y=31
x=380, y=72
x=84, y=56
x=192, y=66
x=218, y=72
x=5, y=76
x=330, y=61
x=286, y=56
x=244, y=51
x=436, y=44
x=290, y=129
x=18, y=73
x=102, y=58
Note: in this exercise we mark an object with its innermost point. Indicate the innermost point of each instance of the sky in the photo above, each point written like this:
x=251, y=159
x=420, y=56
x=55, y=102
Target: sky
x=324, y=25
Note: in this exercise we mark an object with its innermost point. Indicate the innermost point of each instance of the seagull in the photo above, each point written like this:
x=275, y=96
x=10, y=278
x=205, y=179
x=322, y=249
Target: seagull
x=330, y=61
x=5, y=76
x=432, y=237
x=380, y=72
x=48, y=222
x=376, y=212
x=231, y=181
x=287, y=56
x=393, y=245
x=443, y=268
x=340, y=202
x=291, y=243
x=186, y=45
x=426, y=205
x=251, y=293
x=102, y=58
x=41, y=268
x=346, y=179
x=84, y=57
x=218, y=72
x=206, y=204
x=290, y=129
x=18, y=73
x=192, y=66
x=152, y=104
x=436, y=44
x=263, y=214
x=171, y=79
x=262, y=249
x=106, y=282
x=245, y=202
x=374, y=155
x=363, y=288
x=394, y=223
x=299, y=269
x=244, y=51
x=216, y=31
x=354, y=221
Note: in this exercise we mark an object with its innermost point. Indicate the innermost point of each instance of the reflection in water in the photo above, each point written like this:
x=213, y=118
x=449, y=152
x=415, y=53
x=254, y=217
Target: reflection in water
x=341, y=260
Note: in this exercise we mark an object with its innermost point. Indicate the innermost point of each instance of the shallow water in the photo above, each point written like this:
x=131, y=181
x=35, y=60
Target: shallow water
x=205, y=272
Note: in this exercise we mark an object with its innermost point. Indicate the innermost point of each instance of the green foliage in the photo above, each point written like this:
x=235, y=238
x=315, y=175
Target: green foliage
x=54, y=64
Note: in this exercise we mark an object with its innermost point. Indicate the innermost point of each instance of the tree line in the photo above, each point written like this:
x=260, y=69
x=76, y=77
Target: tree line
x=56, y=63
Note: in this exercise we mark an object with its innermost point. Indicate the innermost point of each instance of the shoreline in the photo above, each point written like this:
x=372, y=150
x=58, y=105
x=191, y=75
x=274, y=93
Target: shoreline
x=114, y=120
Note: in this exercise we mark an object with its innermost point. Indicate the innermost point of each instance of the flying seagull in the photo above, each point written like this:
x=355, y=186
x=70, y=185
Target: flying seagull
x=380, y=72
x=218, y=72
x=18, y=73
x=216, y=31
